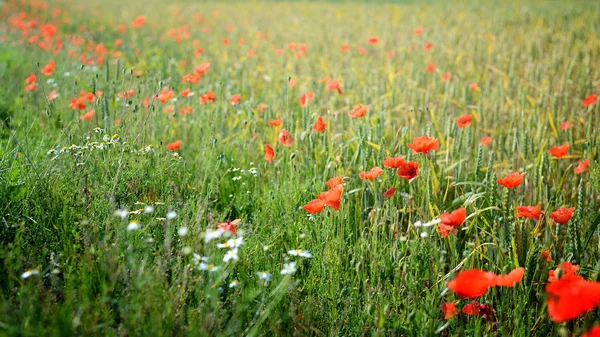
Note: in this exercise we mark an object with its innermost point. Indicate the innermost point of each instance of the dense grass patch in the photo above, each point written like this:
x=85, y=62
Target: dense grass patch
x=106, y=221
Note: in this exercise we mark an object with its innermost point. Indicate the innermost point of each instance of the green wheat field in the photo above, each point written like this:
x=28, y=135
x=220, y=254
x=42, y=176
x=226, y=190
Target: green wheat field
x=185, y=168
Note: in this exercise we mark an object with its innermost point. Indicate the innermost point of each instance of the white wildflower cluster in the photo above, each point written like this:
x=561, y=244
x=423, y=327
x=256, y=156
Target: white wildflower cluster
x=106, y=142
x=290, y=268
x=419, y=224
x=145, y=209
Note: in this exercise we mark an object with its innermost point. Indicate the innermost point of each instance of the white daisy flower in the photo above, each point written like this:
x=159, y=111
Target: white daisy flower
x=231, y=255
x=232, y=243
x=288, y=268
x=213, y=234
x=300, y=252
x=29, y=273
x=134, y=225
x=148, y=209
x=263, y=275
x=210, y=267
x=122, y=213
x=171, y=215
x=234, y=283
x=197, y=258
x=183, y=231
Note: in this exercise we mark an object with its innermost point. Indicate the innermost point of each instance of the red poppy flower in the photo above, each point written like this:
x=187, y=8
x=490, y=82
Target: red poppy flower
x=31, y=82
x=444, y=230
x=571, y=296
x=545, y=255
x=471, y=309
x=319, y=125
x=486, y=140
x=314, y=206
x=559, y=151
x=138, y=22
x=229, y=226
x=269, y=153
x=512, y=180
x=566, y=269
x=208, y=97
x=88, y=96
x=165, y=95
x=531, y=212
x=291, y=84
x=446, y=77
x=418, y=31
x=474, y=86
x=77, y=104
x=389, y=193
x=430, y=67
x=361, y=50
x=189, y=78
x=394, y=163
x=285, y=138
x=88, y=115
x=202, y=69
x=332, y=197
x=475, y=282
x=565, y=125
x=464, y=121
x=52, y=95
x=344, y=47
x=174, y=146
x=408, y=170
x=591, y=99
x=276, y=122
x=358, y=111
x=235, y=99
x=511, y=279
x=372, y=174
x=449, y=310
x=593, y=332
x=306, y=98
x=454, y=219
x=48, y=68
x=424, y=144
x=373, y=40
x=335, y=85
x=334, y=182
x=582, y=166
x=428, y=46
x=562, y=215
x=472, y=283
x=185, y=92
x=262, y=107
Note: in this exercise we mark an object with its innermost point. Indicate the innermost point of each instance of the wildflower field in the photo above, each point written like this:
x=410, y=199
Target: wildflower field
x=188, y=168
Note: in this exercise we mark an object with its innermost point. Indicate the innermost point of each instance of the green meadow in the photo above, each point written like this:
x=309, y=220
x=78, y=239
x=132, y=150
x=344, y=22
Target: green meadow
x=138, y=196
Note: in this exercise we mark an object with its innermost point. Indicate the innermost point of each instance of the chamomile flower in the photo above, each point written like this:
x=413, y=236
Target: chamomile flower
x=231, y=243
x=231, y=255
x=134, y=225
x=29, y=273
x=148, y=209
x=171, y=215
x=122, y=213
x=213, y=234
x=183, y=231
x=288, y=268
x=234, y=284
x=300, y=252
x=264, y=276
x=197, y=258
x=208, y=266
